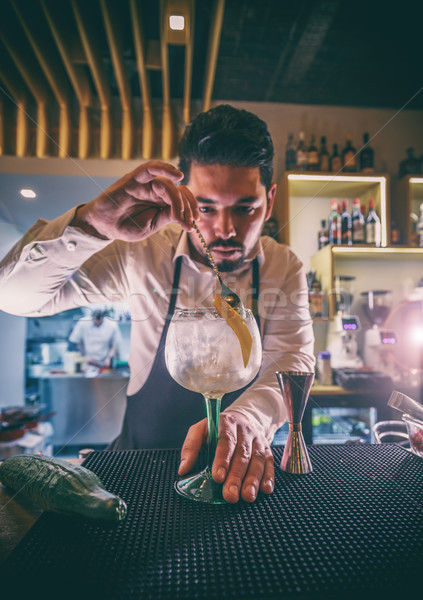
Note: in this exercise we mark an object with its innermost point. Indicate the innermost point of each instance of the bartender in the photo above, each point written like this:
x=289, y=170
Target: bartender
x=97, y=339
x=136, y=243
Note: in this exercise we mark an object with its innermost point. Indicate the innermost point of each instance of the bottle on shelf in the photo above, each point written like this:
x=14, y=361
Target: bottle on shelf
x=323, y=156
x=346, y=224
x=395, y=233
x=373, y=226
x=367, y=156
x=410, y=165
x=312, y=156
x=358, y=223
x=323, y=234
x=301, y=157
x=420, y=228
x=290, y=154
x=334, y=221
x=349, y=159
x=414, y=222
x=335, y=160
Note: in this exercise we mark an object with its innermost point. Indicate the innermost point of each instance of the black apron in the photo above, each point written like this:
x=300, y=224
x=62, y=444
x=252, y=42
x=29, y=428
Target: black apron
x=161, y=412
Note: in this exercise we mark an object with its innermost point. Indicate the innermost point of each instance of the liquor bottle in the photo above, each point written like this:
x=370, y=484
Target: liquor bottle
x=358, y=223
x=410, y=165
x=323, y=235
x=373, y=227
x=349, y=162
x=301, y=158
x=367, y=156
x=414, y=222
x=335, y=160
x=312, y=156
x=346, y=224
x=334, y=221
x=323, y=155
x=290, y=154
x=420, y=228
x=395, y=233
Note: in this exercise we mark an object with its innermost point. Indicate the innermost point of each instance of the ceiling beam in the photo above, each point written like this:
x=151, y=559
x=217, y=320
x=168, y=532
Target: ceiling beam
x=93, y=55
x=111, y=24
x=213, y=49
x=148, y=124
x=54, y=74
x=77, y=77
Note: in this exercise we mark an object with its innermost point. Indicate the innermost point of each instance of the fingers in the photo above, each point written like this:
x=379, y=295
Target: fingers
x=156, y=168
x=196, y=436
x=243, y=461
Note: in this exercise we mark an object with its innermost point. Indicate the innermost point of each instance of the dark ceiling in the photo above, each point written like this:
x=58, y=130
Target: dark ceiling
x=321, y=52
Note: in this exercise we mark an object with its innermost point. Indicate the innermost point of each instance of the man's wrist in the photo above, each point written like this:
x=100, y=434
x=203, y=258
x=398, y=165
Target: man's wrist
x=79, y=222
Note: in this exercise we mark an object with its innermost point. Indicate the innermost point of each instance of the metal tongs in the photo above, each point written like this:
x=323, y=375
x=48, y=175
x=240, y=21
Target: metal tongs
x=227, y=294
x=406, y=405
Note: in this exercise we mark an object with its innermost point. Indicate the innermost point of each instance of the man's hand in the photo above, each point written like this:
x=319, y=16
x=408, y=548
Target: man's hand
x=139, y=204
x=243, y=460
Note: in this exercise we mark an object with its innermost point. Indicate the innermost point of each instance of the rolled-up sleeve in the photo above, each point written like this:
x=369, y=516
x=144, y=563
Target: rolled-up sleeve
x=287, y=339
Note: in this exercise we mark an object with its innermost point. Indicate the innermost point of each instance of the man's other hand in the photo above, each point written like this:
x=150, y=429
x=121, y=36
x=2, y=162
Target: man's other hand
x=243, y=460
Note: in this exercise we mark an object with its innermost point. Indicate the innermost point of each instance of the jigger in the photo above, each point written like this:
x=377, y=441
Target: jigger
x=295, y=388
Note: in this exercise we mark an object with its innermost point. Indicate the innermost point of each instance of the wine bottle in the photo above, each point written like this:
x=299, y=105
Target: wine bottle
x=373, y=227
x=334, y=221
x=410, y=165
x=358, y=223
x=323, y=234
x=367, y=156
x=346, y=224
x=335, y=160
x=349, y=162
x=301, y=158
x=323, y=155
x=420, y=228
x=290, y=154
x=312, y=156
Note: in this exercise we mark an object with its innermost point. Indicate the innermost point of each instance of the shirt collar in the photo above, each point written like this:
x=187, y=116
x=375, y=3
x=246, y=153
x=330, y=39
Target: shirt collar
x=182, y=249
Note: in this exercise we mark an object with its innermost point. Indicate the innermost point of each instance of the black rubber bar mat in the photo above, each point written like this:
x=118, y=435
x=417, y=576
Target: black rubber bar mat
x=351, y=528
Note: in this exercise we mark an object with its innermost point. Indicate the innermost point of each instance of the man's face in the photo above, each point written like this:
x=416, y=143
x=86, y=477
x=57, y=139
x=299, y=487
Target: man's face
x=233, y=208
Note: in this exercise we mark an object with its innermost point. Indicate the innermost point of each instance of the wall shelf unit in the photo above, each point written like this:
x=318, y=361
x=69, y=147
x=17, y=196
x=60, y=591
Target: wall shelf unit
x=380, y=264
x=406, y=200
x=303, y=201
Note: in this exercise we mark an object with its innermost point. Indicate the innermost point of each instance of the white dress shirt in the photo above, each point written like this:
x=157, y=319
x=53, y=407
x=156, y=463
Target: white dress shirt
x=97, y=340
x=57, y=267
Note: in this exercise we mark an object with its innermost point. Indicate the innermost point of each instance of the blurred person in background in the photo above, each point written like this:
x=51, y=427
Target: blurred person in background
x=97, y=338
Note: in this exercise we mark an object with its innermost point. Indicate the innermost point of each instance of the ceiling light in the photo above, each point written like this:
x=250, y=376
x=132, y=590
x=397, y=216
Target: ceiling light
x=177, y=22
x=28, y=193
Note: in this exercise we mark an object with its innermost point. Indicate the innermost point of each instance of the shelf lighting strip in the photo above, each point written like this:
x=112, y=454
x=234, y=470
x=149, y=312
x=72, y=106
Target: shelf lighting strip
x=353, y=179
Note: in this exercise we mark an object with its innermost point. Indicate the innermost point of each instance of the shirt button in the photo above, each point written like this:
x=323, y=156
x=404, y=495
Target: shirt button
x=71, y=246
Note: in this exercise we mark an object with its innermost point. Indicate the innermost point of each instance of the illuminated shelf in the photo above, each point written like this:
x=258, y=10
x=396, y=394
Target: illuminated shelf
x=303, y=201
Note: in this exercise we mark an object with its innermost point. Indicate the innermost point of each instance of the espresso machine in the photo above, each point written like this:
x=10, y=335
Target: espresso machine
x=379, y=342
x=342, y=341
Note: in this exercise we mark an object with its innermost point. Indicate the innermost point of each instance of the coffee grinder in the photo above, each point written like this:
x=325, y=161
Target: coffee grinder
x=342, y=342
x=378, y=342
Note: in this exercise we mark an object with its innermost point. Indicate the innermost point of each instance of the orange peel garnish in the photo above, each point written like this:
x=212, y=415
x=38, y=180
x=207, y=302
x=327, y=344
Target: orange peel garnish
x=237, y=324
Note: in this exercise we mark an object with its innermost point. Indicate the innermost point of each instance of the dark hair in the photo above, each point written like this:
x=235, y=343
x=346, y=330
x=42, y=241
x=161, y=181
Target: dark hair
x=225, y=135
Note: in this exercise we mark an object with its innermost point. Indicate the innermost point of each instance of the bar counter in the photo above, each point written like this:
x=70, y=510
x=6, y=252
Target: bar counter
x=351, y=528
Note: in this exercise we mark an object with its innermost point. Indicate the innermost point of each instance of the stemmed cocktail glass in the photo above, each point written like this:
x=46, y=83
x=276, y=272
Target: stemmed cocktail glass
x=203, y=354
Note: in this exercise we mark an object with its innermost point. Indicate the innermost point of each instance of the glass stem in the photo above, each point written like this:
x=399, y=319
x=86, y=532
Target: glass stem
x=213, y=411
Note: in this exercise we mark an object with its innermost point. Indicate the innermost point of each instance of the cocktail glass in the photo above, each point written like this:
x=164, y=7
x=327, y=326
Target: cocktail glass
x=203, y=355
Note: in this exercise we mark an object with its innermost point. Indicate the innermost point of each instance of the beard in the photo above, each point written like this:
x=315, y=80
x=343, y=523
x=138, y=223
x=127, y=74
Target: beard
x=225, y=266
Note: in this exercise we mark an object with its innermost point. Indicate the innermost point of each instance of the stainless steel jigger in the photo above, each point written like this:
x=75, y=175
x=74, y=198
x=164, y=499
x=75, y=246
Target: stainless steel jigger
x=295, y=387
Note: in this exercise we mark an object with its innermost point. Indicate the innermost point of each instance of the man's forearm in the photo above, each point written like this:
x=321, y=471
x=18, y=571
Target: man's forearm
x=35, y=271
